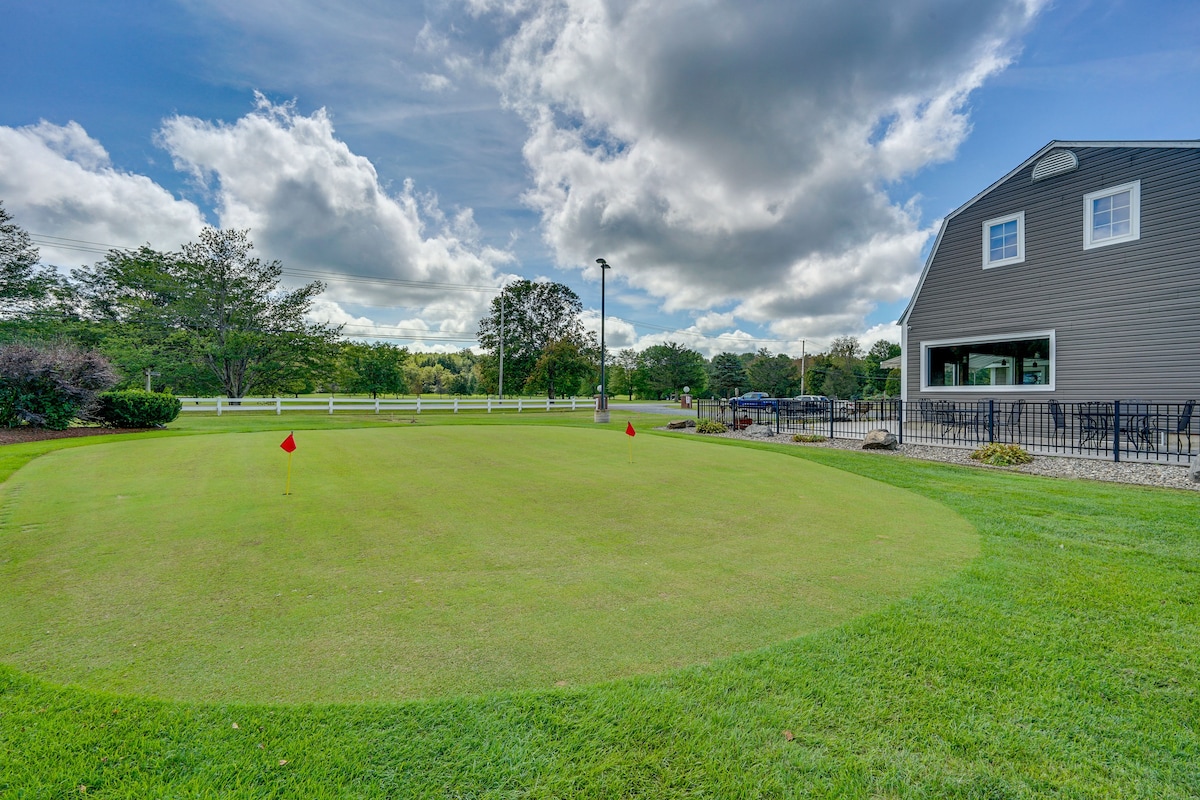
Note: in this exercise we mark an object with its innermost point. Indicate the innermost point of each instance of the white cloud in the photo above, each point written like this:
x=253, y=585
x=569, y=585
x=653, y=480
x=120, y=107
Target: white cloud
x=58, y=181
x=742, y=153
x=316, y=205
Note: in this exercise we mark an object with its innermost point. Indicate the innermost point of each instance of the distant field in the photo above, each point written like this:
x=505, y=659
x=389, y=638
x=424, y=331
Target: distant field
x=413, y=562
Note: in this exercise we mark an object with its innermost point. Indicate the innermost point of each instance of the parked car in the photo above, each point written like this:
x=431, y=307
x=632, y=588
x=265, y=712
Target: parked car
x=810, y=404
x=753, y=400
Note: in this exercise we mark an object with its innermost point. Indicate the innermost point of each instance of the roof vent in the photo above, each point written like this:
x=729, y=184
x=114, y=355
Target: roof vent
x=1056, y=162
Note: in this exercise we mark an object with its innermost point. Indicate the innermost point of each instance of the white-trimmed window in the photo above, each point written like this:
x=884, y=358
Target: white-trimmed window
x=1004, y=240
x=1112, y=215
x=1019, y=362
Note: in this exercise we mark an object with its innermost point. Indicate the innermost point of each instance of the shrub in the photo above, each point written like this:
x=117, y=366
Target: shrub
x=138, y=409
x=1002, y=455
x=710, y=426
x=47, y=386
x=808, y=438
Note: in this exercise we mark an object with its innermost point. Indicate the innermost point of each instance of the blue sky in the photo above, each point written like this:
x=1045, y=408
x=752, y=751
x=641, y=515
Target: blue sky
x=758, y=174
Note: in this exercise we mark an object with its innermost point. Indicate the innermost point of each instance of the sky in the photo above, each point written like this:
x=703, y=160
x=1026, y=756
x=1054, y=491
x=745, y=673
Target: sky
x=758, y=173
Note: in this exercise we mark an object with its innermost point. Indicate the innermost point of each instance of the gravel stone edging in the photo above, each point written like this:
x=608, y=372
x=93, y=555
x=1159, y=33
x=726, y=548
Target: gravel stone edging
x=1171, y=476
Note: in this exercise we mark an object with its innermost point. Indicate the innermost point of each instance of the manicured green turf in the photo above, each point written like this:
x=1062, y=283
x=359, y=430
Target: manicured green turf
x=409, y=563
x=1061, y=663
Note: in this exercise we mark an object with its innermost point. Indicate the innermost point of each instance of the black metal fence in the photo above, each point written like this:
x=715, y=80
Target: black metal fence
x=1121, y=430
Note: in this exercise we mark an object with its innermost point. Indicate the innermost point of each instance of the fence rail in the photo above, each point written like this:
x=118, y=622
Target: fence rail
x=1121, y=430
x=416, y=405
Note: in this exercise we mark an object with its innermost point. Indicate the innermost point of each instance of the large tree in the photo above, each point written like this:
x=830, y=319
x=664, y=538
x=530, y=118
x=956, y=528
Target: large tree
x=24, y=283
x=669, y=367
x=222, y=302
x=536, y=317
x=374, y=369
x=727, y=374
x=775, y=375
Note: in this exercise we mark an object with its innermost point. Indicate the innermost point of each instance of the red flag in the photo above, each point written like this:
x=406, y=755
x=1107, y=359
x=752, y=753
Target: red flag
x=629, y=431
x=289, y=444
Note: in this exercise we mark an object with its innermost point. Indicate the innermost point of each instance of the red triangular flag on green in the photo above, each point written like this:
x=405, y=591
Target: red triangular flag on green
x=289, y=444
x=629, y=431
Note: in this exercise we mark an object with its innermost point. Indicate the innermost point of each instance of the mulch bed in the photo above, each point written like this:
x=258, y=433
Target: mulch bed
x=28, y=434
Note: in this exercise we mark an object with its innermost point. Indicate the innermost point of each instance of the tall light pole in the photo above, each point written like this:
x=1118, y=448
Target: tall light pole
x=501, y=344
x=602, y=408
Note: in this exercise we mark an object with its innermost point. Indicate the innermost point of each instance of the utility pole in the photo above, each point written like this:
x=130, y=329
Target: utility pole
x=802, y=343
x=501, y=345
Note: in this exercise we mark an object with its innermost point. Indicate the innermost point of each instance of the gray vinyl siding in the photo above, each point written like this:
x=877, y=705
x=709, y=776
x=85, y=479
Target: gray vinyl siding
x=1126, y=316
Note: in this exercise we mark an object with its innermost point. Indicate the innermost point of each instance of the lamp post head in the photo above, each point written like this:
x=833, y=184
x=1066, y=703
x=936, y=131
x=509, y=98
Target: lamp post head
x=603, y=264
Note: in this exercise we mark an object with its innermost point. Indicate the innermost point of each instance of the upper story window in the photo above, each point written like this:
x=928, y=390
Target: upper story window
x=1004, y=240
x=1112, y=215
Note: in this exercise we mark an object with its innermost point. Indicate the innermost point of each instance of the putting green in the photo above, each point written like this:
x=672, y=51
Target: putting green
x=426, y=561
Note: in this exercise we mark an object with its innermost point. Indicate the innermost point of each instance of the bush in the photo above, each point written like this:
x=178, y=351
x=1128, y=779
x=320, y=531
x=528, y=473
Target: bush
x=710, y=426
x=810, y=438
x=47, y=386
x=138, y=409
x=1002, y=455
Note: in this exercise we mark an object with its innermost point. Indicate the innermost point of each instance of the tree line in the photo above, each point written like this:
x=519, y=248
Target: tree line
x=213, y=318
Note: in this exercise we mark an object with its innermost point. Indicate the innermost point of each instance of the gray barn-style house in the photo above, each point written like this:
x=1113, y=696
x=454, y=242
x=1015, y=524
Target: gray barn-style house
x=1075, y=277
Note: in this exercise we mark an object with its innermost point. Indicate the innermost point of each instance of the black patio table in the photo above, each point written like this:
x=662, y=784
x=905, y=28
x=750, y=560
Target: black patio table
x=1135, y=424
x=1095, y=423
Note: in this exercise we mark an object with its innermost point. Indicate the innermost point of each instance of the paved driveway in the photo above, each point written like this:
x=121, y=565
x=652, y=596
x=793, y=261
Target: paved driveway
x=672, y=409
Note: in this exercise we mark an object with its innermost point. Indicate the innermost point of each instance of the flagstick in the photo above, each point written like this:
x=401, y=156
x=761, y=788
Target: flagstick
x=288, y=488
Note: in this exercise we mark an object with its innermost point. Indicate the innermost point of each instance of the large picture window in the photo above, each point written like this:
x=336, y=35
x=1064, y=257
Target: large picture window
x=1004, y=240
x=1023, y=362
x=1112, y=215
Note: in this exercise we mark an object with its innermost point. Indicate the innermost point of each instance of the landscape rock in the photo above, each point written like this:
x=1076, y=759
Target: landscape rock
x=1194, y=469
x=879, y=439
x=679, y=424
x=760, y=431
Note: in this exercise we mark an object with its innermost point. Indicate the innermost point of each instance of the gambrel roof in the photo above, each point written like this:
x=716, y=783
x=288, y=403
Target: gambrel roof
x=1184, y=143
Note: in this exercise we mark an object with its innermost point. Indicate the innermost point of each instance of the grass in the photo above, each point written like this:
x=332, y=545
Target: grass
x=410, y=563
x=1060, y=663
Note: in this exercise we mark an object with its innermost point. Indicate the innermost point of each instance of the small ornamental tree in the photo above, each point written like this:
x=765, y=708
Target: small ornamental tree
x=47, y=386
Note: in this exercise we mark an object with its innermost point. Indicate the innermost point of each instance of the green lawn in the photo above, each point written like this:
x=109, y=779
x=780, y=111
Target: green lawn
x=416, y=562
x=1061, y=662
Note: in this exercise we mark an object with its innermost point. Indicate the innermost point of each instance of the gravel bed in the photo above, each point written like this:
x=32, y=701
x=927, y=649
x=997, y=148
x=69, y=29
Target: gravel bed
x=1173, y=476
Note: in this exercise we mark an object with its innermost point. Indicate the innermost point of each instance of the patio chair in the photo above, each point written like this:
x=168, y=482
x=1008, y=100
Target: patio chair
x=1058, y=419
x=1183, y=427
x=1011, y=420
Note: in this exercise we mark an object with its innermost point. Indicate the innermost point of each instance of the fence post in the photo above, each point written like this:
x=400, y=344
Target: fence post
x=900, y=416
x=278, y=406
x=456, y=405
x=418, y=404
x=377, y=404
x=1117, y=431
x=831, y=402
x=489, y=404
x=991, y=421
x=520, y=402
x=218, y=406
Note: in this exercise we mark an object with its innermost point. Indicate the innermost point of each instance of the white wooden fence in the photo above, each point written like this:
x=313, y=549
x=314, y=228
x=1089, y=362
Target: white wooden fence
x=385, y=405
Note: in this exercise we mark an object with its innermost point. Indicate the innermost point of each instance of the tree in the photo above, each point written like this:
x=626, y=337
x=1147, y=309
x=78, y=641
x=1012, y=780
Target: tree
x=669, y=367
x=621, y=373
x=24, y=285
x=224, y=304
x=877, y=377
x=561, y=368
x=727, y=374
x=776, y=375
x=535, y=316
x=374, y=369
x=50, y=385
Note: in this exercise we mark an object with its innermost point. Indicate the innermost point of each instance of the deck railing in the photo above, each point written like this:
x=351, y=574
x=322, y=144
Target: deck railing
x=1121, y=430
